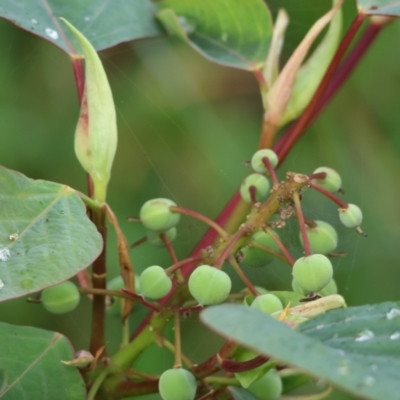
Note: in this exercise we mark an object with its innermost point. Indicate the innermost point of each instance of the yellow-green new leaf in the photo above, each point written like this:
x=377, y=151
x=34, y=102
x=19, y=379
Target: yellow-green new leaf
x=312, y=71
x=96, y=132
x=278, y=97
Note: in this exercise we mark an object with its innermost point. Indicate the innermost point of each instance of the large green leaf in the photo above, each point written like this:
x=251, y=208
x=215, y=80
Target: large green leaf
x=45, y=235
x=359, y=349
x=379, y=7
x=31, y=368
x=105, y=23
x=235, y=33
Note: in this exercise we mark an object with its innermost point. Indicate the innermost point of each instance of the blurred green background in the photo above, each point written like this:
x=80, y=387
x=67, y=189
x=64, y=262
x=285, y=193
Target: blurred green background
x=186, y=127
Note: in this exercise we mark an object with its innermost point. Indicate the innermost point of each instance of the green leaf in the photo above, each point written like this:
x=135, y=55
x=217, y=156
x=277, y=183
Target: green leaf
x=104, y=23
x=31, y=368
x=96, y=133
x=241, y=394
x=213, y=28
x=379, y=7
x=348, y=358
x=45, y=235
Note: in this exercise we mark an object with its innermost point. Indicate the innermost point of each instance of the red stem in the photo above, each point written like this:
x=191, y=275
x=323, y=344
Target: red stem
x=331, y=196
x=77, y=64
x=140, y=299
x=297, y=129
x=271, y=170
x=302, y=225
x=236, y=366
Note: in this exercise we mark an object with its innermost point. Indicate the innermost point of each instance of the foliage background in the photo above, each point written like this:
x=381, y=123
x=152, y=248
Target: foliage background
x=186, y=126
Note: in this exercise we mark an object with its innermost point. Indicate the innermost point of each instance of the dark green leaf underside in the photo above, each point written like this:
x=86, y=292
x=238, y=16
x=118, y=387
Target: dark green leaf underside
x=45, y=235
x=379, y=7
x=364, y=367
x=31, y=368
x=105, y=23
x=213, y=29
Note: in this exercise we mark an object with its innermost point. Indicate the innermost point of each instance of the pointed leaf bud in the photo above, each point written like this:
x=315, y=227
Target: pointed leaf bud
x=96, y=132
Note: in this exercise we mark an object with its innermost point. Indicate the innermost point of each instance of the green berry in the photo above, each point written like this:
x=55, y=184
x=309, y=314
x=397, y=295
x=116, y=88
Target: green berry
x=177, y=384
x=323, y=238
x=209, y=285
x=155, y=239
x=298, y=289
x=261, y=184
x=313, y=272
x=268, y=387
x=155, y=283
x=117, y=283
x=267, y=303
x=351, y=216
x=332, y=182
x=329, y=289
x=156, y=215
x=257, y=163
x=256, y=258
x=61, y=298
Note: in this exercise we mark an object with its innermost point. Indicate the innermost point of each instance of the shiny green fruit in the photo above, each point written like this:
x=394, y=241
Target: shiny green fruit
x=261, y=185
x=332, y=182
x=155, y=283
x=209, y=285
x=155, y=239
x=312, y=272
x=351, y=217
x=329, y=289
x=268, y=387
x=323, y=238
x=61, y=298
x=257, y=160
x=267, y=303
x=155, y=215
x=177, y=384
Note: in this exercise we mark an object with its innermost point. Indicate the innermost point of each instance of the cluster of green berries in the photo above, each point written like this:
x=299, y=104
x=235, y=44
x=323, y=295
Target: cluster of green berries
x=257, y=181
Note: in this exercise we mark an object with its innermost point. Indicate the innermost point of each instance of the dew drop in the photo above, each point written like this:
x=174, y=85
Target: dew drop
x=87, y=19
x=51, y=33
x=319, y=326
x=224, y=37
x=341, y=352
x=186, y=25
x=374, y=367
x=34, y=21
x=365, y=335
x=393, y=313
x=4, y=254
x=343, y=368
x=1, y=284
x=13, y=237
x=395, y=336
x=369, y=380
x=26, y=284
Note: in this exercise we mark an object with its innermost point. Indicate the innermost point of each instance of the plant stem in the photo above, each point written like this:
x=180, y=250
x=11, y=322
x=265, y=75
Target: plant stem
x=271, y=170
x=240, y=366
x=225, y=252
x=282, y=247
x=168, y=345
x=200, y=217
x=180, y=264
x=98, y=282
x=273, y=253
x=140, y=299
x=331, y=196
x=138, y=242
x=302, y=225
x=177, y=335
x=284, y=146
x=243, y=276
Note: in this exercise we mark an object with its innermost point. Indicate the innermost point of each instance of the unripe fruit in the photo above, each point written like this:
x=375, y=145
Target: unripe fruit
x=267, y=303
x=351, y=216
x=209, y=285
x=155, y=283
x=177, y=384
x=329, y=289
x=61, y=298
x=268, y=387
x=313, y=272
x=257, y=160
x=261, y=184
x=332, y=182
x=117, y=283
x=254, y=257
x=323, y=238
x=298, y=289
x=155, y=239
x=155, y=215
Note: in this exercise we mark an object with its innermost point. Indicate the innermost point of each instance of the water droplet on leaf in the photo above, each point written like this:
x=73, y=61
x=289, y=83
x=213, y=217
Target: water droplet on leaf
x=186, y=25
x=395, y=336
x=365, y=335
x=393, y=313
x=51, y=33
x=34, y=21
x=4, y=254
x=13, y=237
x=1, y=284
